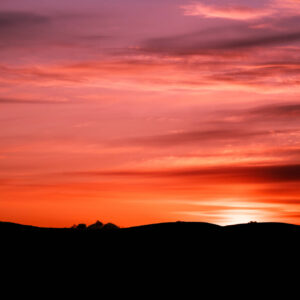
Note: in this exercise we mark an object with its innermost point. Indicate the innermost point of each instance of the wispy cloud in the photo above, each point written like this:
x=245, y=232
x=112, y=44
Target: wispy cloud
x=235, y=12
x=236, y=38
x=288, y=111
x=28, y=101
x=215, y=175
x=17, y=20
x=229, y=127
x=198, y=137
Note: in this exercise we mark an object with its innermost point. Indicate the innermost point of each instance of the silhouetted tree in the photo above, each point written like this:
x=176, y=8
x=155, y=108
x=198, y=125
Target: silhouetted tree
x=81, y=226
x=110, y=226
x=96, y=226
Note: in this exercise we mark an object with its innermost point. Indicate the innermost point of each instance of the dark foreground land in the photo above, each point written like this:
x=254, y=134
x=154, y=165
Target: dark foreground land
x=178, y=235
x=166, y=247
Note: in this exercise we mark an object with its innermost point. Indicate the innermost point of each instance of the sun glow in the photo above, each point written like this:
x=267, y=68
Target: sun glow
x=241, y=216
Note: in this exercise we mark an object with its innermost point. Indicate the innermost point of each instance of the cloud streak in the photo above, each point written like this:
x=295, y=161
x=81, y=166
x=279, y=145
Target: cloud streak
x=28, y=101
x=235, y=12
x=229, y=127
x=215, y=175
x=17, y=20
x=195, y=43
x=199, y=137
x=279, y=111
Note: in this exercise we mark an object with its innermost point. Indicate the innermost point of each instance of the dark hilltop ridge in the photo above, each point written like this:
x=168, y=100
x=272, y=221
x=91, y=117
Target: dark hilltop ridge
x=172, y=231
x=162, y=242
x=171, y=228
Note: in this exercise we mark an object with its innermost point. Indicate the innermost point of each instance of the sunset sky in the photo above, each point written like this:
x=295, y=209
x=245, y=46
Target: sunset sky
x=145, y=111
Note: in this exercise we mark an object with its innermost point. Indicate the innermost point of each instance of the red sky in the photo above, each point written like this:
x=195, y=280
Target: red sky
x=137, y=111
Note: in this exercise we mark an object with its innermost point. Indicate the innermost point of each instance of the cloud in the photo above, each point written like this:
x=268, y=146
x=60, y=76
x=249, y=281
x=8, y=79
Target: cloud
x=230, y=126
x=278, y=111
x=274, y=114
x=24, y=31
x=13, y=20
x=215, y=175
x=264, y=40
x=28, y=101
x=212, y=58
x=235, y=12
x=233, y=56
x=278, y=75
x=36, y=74
x=17, y=27
x=198, y=137
x=292, y=5
x=208, y=43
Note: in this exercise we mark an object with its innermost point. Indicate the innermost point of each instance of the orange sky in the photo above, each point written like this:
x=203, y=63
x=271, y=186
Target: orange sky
x=138, y=111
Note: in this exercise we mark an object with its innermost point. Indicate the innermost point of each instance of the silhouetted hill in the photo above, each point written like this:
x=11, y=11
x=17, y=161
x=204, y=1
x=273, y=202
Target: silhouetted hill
x=263, y=228
x=171, y=246
x=172, y=228
x=188, y=232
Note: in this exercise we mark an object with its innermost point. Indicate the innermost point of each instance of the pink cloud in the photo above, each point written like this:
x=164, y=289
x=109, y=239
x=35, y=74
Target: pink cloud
x=236, y=12
x=287, y=3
